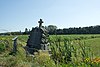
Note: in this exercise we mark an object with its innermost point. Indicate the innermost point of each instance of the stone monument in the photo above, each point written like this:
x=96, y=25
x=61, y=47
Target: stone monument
x=38, y=39
x=15, y=44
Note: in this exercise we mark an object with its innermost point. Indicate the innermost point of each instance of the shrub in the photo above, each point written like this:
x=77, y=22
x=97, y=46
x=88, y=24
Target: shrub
x=43, y=59
x=2, y=47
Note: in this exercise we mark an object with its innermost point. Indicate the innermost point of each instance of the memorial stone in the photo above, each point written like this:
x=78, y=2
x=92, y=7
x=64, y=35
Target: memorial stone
x=38, y=39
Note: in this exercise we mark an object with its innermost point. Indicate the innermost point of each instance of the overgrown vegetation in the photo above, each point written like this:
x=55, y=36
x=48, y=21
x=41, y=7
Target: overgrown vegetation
x=73, y=53
x=66, y=51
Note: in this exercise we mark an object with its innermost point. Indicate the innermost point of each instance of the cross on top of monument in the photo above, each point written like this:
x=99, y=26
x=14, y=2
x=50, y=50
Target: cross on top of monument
x=40, y=23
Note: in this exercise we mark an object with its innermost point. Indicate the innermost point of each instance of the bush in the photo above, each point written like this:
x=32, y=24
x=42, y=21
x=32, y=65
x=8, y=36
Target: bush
x=2, y=47
x=43, y=59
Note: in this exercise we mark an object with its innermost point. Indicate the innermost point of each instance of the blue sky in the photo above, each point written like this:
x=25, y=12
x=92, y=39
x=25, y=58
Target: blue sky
x=16, y=15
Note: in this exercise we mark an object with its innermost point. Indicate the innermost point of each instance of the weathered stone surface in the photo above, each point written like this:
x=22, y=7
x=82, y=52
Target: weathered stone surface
x=15, y=44
x=38, y=39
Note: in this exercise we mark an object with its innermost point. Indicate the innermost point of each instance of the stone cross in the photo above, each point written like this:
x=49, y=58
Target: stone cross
x=40, y=23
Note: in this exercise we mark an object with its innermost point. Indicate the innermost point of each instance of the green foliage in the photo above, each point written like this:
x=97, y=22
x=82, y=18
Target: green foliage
x=66, y=51
x=80, y=30
x=43, y=59
x=2, y=47
x=51, y=29
x=71, y=51
x=61, y=51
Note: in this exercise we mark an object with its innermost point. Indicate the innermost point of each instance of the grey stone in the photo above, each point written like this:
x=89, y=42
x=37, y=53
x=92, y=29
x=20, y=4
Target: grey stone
x=15, y=44
x=38, y=39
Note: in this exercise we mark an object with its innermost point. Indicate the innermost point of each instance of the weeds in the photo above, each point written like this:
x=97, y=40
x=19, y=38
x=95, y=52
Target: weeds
x=65, y=52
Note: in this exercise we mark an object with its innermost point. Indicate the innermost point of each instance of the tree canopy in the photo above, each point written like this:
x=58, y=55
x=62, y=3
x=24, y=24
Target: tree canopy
x=52, y=29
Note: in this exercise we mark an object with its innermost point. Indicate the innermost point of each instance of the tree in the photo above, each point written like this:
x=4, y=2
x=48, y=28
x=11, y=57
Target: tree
x=26, y=31
x=51, y=29
x=59, y=31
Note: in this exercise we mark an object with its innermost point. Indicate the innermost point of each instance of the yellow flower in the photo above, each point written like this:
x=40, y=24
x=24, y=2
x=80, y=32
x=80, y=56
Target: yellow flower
x=87, y=60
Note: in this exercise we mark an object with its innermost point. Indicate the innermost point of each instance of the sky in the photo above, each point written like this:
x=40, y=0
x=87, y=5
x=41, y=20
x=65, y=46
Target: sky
x=16, y=15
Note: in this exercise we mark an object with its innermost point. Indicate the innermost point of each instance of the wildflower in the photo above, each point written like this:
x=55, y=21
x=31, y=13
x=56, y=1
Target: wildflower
x=87, y=59
x=96, y=60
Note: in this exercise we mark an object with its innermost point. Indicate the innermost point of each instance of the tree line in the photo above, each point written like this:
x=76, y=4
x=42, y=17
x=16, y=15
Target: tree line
x=79, y=30
x=52, y=30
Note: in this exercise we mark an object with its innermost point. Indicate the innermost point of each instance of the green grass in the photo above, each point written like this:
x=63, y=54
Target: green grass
x=95, y=45
x=93, y=40
x=85, y=46
x=20, y=60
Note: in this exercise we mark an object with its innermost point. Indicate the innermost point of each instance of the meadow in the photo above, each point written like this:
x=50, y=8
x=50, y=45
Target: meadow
x=66, y=51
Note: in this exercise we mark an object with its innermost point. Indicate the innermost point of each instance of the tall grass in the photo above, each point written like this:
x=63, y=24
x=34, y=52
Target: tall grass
x=66, y=51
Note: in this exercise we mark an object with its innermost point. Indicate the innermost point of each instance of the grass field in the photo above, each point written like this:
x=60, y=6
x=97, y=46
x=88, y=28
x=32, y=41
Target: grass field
x=83, y=45
x=93, y=41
